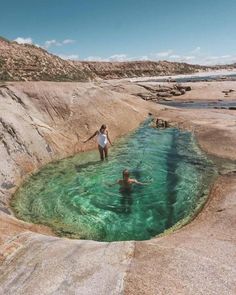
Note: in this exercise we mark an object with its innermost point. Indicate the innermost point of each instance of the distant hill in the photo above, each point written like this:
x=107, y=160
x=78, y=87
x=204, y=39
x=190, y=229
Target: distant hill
x=27, y=62
x=24, y=62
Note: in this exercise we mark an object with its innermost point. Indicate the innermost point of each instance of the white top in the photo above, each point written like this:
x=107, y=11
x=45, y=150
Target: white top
x=102, y=139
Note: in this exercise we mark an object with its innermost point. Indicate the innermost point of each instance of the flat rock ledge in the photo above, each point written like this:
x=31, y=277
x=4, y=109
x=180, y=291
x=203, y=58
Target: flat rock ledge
x=41, y=122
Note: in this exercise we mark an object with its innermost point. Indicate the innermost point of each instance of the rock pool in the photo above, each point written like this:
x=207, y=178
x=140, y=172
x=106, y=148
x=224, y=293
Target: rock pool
x=78, y=198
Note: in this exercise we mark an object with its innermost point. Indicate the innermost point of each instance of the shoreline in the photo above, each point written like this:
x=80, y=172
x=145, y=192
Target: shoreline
x=215, y=74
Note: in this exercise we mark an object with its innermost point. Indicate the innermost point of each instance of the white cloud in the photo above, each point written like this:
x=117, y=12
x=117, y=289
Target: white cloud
x=170, y=55
x=124, y=57
x=163, y=53
x=68, y=41
x=115, y=57
x=94, y=58
x=191, y=57
x=179, y=58
x=50, y=43
x=175, y=56
x=226, y=56
x=53, y=42
x=142, y=58
x=21, y=40
x=69, y=57
x=118, y=57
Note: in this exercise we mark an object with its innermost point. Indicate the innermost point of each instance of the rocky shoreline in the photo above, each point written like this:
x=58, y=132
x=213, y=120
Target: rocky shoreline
x=45, y=121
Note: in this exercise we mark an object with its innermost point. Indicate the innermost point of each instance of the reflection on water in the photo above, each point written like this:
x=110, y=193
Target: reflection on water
x=78, y=196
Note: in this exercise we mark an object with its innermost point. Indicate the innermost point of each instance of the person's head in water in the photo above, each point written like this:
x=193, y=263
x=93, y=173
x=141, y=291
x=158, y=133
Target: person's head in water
x=125, y=174
x=103, y=128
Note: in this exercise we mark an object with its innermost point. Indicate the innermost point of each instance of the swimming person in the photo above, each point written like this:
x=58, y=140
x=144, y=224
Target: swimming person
x=126, y=182
x=161, y=123
x=126, y=190
x=102, y=140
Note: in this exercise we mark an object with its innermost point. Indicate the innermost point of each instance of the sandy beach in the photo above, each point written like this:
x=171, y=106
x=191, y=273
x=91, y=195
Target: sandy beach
x=214, y=74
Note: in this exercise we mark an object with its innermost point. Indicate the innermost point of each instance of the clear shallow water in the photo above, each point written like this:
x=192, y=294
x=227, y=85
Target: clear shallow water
x=75, y=197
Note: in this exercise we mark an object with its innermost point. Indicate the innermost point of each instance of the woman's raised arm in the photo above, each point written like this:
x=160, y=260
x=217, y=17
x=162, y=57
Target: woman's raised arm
x=92, y=136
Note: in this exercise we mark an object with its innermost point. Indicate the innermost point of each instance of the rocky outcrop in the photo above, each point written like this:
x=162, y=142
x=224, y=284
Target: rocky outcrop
x=159, y=93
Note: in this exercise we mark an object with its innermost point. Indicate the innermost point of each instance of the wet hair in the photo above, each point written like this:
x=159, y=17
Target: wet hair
x=125, y=172
x=103, y=127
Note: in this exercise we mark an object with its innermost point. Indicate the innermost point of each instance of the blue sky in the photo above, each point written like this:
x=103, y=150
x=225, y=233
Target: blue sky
x=194, y=31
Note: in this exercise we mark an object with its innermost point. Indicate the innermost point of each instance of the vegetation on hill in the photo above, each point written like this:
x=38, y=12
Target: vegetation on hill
x=25, y=62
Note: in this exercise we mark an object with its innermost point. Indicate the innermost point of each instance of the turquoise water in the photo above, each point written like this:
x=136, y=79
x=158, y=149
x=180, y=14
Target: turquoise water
x=79, y=198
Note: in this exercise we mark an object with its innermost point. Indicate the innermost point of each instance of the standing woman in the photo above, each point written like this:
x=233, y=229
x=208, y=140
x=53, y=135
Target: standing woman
x=102, y=140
